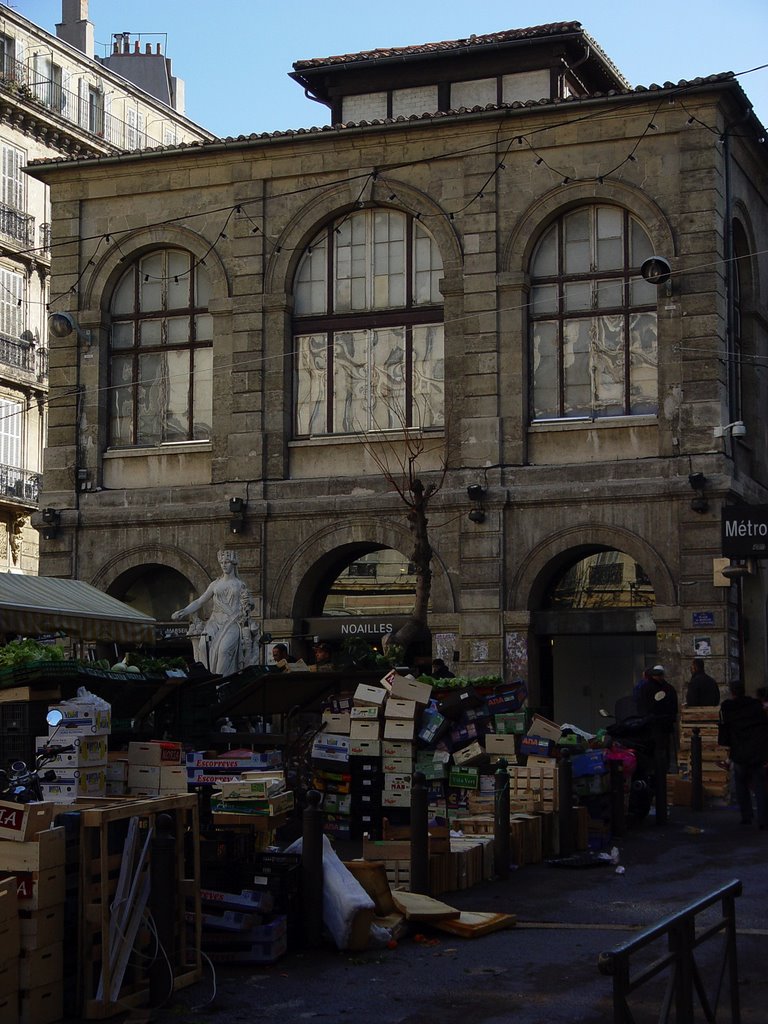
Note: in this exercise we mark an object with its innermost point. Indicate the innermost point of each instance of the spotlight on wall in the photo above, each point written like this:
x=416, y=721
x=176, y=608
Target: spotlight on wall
x=51, y=519
x=698, y=482
x=476, y=493
x=237, y=511
x=61, y=325
x=656, y=270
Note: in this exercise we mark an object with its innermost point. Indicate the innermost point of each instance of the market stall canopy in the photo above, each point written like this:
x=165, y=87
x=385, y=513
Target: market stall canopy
x=35, y=605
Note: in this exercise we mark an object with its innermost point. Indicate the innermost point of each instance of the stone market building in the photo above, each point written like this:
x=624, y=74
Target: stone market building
x=498, y=248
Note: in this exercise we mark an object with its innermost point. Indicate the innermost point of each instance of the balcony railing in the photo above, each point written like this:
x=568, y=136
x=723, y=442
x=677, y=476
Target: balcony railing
x=19, y=484
x=86, y=111
x=17, y=225
x=24, y=356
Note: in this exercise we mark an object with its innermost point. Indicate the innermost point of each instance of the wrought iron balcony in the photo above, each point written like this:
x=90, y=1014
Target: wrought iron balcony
x=22, y=355
x=19, y=484
x=17, y=225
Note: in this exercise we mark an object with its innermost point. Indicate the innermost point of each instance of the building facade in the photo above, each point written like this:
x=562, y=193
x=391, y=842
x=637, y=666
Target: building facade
x=57, y=100
x=499, y=261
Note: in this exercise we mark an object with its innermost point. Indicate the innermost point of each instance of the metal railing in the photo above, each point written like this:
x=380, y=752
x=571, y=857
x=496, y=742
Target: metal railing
x=84, y=110
x=685, y=996
x=17, y=225
x=20, y=484
x=24, y=356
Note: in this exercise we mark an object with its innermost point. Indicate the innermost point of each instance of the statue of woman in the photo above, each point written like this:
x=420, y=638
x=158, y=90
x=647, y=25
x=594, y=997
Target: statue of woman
x=221, y=646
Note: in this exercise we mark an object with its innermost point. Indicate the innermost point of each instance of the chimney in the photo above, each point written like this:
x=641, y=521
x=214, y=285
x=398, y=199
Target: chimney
x=75, y=28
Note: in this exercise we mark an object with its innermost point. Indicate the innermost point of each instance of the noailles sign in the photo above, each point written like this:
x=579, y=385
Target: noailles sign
x=745, y=531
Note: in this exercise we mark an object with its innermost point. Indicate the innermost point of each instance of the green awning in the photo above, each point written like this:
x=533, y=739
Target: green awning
x=37, y=605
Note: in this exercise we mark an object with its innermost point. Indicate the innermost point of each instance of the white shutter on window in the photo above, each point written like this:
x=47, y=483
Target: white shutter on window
x=10, y=432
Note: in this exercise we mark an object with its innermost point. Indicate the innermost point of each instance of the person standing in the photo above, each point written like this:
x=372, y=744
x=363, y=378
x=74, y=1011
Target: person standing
x=743, y=728
x=657, y=701
x=703, y=691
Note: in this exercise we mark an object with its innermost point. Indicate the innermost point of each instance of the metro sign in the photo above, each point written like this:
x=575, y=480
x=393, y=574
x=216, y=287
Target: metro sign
x=745, y=531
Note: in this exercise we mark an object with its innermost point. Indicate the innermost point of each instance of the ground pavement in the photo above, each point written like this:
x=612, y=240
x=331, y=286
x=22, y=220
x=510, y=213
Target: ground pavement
x=543, y=971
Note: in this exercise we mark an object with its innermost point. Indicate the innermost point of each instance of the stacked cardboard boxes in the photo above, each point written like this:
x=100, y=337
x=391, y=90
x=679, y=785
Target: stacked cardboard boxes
x=156, y=768
x=34, y=854
x=81, y=772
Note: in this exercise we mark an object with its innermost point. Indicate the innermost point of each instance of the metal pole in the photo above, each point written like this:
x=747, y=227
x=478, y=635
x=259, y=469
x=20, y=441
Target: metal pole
x=697, y=785
x=565, y=796
x=162, y=903
x=419, y=834
x=312, y=869
x=501, y=820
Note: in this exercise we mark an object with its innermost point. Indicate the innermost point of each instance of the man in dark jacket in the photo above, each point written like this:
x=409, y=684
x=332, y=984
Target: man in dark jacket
x=744, y=730
x=703, y=691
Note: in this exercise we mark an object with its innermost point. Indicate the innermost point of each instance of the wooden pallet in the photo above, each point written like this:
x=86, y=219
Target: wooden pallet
x=115, y=844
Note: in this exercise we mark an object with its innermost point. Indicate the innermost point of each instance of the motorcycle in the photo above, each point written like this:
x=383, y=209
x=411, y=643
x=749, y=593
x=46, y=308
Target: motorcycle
x=24, y=785
x=634, y=732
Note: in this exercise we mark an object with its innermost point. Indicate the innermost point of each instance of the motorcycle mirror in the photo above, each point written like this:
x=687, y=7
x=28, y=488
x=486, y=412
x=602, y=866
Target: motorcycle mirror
x=54, y=717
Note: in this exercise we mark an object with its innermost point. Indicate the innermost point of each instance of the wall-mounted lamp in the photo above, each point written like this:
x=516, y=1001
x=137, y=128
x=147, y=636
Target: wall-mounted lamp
x=476, y=493
x=740, y=568
x=51, y=519
x=698, y=482
x=61, y=325
x=656, y=270
x=237, y=511
x=736, y=429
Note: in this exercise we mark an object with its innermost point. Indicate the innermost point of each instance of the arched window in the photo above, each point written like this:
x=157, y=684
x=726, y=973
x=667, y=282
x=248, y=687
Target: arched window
x=161, y=352
x=368, y=331
x=593, y=318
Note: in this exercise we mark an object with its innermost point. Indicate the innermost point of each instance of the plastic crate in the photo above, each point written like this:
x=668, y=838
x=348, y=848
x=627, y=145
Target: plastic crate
x=17, y=747
x=24, y=717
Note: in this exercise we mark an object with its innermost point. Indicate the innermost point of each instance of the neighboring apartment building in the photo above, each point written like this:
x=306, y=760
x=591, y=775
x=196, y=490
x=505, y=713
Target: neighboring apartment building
x=57, y=100
x=550, y=278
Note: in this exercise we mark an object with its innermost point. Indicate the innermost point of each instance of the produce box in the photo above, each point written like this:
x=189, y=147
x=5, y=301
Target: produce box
x=21, y=822
x=46, y=850
x=37, y=890
x=88, y=750
x=370, y=695
x=399, y=729
x=396, y=707
x=410, y=689
x=156, y=752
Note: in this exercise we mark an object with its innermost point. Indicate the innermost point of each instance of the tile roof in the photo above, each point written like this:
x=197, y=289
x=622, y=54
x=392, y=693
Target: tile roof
x=723, y=78
x=493, y=38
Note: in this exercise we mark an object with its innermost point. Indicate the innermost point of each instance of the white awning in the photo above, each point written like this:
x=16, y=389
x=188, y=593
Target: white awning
x=35, y=605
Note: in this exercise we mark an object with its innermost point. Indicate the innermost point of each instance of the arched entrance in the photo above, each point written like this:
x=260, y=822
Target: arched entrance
x=157, y=590
x=595, y=632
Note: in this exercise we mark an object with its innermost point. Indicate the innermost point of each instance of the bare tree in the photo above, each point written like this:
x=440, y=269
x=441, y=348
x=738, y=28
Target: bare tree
x=399, y=463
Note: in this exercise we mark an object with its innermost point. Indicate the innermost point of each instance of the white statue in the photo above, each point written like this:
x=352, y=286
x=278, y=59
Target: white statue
x=228, y=640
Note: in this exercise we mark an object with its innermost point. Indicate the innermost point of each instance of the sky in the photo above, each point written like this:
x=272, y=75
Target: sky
x=235, y=67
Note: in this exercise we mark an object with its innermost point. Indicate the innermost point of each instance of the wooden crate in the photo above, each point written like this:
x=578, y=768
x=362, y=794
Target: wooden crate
x=533, y=788
x=115, y=841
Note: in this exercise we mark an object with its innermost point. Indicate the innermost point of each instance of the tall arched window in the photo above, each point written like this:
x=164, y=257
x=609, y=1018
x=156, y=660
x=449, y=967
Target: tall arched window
x=161, y=352
x=368, y=331
x=593, y=318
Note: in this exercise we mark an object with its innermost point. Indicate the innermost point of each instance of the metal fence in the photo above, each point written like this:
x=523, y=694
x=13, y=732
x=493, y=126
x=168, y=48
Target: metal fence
x=690, y=991
x=20, y=484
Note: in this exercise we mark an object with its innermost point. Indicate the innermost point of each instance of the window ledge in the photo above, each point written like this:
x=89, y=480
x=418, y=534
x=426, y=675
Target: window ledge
x=170, y=448
x=602, y=423
x=370, y=438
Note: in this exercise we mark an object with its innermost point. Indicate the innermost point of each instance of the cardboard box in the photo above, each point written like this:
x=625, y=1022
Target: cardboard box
x=469, y=754
x=513, y=723
x=500, y=744
x=236, y=761
x=46, y=850
x=368, y=712
x=117, y=770
x=397, y=765
x=543, y=727
x=143, y=776
x=117, y=788
x=254, y=786
x=396, y=707
x=337, y=721
x=41, y=927
x=331, y=747
x=362, y=729
x=411, y=689
x=399, y=729
x=42, y=966
x=81, y=718
x=37, y=890
x=397, y=747
x=156, y=752
x=366, y=696
x=9, y=904
x=397, y=783
x=22, y=821
x=464, y=778
x=365, y=748
x=42, y=1005
x=173, y=778
x=89, y=750
x=395, y=798
x=9, y=976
